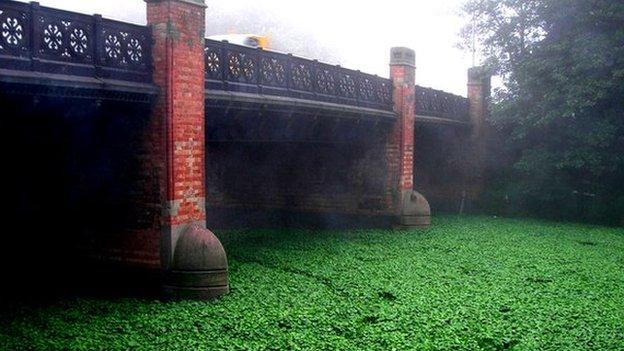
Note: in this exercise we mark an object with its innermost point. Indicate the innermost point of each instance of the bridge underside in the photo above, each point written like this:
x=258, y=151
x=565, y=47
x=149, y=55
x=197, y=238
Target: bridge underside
x=80, y=165
x=283, y=161
x=266, y=157
x=442, y=164
x=73, y=175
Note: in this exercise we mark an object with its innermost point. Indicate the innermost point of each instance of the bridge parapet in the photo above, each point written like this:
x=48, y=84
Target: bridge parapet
x=238, y=68
x=42, y=39
x=437, y=103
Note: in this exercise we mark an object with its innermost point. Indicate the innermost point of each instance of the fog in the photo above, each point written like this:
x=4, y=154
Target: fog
x=354, y=34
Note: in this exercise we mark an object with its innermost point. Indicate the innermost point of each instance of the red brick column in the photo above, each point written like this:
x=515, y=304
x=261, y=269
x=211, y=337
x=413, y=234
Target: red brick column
x=178, y=120
x=478, y=96
x=478, y=100
x=401, y=142
x=410, y=207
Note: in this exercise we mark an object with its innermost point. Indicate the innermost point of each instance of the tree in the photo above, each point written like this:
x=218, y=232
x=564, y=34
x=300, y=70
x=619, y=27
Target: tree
x=560, y=115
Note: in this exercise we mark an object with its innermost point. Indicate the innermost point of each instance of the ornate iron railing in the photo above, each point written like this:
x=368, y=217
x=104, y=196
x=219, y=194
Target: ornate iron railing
x=437, y=103
x=238, y=68
x=43, y=39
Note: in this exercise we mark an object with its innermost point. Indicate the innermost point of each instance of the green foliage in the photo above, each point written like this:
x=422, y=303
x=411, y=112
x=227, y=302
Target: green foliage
x=560, y=116
x=469, y=283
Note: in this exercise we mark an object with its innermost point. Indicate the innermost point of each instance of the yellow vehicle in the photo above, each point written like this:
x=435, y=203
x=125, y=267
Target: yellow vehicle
x=250, y=40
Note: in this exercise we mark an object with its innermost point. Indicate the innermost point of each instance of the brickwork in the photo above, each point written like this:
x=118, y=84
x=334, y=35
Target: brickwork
x=400, y=144
x=133, y=235
x=321, y=178
x=478, y=97
x=478, y=94
x=178, y=117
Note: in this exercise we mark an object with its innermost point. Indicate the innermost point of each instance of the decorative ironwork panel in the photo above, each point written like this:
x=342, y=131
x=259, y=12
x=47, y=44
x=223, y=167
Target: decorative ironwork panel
x=383, y=92
x=15, y=29
x=213, y=62
x=301, y=76
x=287, y=75
x=241, y=67
x=367, y=91
x=64, y=36
x=124, y=46
x=326, y=81
x=437, y=103
x=44, y=39
x=346, y=85
x=273, y=71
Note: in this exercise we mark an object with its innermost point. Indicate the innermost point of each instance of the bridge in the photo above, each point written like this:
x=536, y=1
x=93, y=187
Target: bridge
x=143, y=131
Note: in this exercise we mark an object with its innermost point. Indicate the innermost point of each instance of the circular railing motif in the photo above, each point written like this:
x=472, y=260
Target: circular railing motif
x=12, y=32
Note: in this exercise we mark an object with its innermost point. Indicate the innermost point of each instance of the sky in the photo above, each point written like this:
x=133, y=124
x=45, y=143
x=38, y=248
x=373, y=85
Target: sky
x=353, y=33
